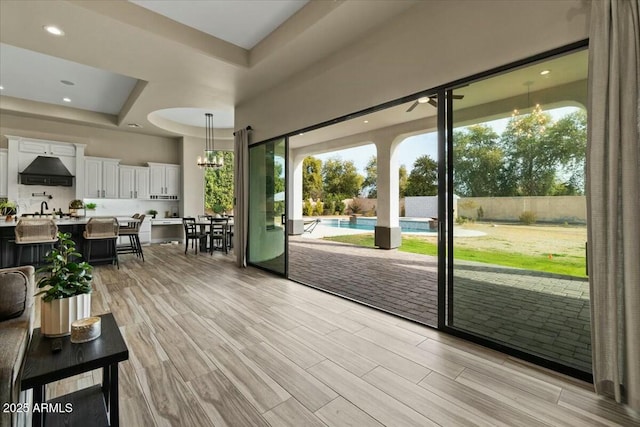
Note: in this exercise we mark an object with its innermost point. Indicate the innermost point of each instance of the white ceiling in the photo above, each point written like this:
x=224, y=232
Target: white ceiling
x=241, y=22
x=37, y=77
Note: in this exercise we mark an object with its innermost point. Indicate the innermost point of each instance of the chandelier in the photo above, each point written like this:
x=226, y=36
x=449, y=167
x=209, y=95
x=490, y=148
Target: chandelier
x=211, y=159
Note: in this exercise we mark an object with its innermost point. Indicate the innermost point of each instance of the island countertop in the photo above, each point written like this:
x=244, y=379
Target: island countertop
x=63, y=221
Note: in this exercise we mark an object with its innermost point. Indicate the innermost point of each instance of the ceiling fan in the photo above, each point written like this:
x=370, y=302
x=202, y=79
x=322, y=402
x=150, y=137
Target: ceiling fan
x=429, y=100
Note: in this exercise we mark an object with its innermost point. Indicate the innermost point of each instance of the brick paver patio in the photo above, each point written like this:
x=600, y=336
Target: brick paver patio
x=537, y=312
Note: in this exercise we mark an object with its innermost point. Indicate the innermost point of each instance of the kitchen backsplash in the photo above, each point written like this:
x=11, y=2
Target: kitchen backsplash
x=31, y=196
x=62, y=196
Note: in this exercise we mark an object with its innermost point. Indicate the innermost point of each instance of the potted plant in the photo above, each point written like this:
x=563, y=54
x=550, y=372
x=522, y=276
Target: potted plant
x=153, y=213
x=66, y=288
x=7, y=208
x=74, y=206
x=91, y=206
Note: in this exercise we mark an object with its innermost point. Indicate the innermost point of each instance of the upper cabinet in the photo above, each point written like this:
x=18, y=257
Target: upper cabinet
x=47, y=148
x=164, y=181
x=101, y=178
x=134, y=182
x=4, y=159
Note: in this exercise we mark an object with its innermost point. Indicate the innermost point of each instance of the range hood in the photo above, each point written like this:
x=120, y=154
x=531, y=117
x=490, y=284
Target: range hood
x=46, y=171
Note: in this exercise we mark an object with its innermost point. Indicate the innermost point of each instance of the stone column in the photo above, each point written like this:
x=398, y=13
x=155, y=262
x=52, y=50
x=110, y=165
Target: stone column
x=387, y=231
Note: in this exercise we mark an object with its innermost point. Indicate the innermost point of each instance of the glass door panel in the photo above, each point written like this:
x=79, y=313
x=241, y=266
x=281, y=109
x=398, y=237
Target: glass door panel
x=267, y=201
x=517, y=215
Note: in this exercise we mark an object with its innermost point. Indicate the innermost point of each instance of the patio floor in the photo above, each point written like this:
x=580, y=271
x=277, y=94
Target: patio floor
x=537, y=312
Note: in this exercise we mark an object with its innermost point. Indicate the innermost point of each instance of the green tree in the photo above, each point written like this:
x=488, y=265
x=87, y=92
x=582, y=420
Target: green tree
x=370, y=184
x=311, y=178
x=341, y=178
x=218, y=187
x=403, y=179
x=537, y=151
x=423, y=179
x=478, y=160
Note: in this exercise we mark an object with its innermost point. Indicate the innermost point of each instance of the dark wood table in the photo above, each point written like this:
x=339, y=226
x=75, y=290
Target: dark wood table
x=87, y=407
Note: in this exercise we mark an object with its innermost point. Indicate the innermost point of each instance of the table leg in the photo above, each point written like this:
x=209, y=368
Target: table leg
x=114, y=408
x=39, y=396
x=106, y=385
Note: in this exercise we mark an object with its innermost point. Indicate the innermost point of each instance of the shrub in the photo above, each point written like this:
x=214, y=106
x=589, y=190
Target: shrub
x=528, y=218
x=308, y=208
x=319, y=207
x=463, y=219
x=355, y=207
x=480, y=212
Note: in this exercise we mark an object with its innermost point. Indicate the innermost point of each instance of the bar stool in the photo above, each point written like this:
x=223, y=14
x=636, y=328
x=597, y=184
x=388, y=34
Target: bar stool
x=133, y=231
x=35, y=232
x=102, y=229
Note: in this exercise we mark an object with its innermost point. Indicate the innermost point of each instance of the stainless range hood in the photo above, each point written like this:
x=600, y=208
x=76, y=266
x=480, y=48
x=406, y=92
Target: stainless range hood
x=46, y=171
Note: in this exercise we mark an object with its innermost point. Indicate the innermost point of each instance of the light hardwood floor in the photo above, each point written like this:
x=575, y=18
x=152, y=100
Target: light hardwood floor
x=211, y=344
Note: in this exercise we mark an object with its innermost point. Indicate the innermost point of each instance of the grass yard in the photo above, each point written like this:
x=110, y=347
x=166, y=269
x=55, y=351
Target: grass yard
x=551, y=249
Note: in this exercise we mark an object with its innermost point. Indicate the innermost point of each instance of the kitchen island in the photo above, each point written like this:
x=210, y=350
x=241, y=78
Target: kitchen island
x=32, y=255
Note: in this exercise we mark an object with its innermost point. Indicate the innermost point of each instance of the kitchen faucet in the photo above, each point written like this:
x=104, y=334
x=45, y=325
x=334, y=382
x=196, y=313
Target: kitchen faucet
x=43, y=206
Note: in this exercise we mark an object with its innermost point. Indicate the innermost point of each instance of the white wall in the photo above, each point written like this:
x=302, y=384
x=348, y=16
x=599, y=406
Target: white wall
x=433, y=43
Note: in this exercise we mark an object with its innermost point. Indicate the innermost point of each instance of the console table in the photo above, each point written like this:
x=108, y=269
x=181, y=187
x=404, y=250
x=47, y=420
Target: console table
x=84, y=407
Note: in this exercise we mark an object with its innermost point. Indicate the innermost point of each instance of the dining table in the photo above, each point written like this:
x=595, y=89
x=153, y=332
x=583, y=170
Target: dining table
x=207, y=226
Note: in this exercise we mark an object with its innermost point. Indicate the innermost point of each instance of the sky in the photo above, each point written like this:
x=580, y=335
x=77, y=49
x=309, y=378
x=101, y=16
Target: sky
x=415, y=146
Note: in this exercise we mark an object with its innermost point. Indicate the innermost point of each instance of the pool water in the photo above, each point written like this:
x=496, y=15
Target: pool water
x=370, y=223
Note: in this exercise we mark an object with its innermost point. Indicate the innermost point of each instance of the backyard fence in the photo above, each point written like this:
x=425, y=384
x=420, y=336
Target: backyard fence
x=555, y=209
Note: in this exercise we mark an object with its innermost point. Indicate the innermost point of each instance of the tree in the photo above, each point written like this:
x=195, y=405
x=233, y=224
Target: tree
x=423, y=179
x=341, y=178
x=538, y=150
x=370, y=184
x=311, y=178
x=477, y=162
x=402, y=180
x=218, y=187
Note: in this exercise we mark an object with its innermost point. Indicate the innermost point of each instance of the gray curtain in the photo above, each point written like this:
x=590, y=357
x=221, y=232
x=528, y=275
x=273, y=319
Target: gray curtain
x=241, y=195
x=613, y=200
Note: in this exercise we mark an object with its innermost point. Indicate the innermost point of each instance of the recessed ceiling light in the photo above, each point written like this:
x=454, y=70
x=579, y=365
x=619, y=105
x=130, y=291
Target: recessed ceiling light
x=301, y=133
x=1, y=87
x=66, y=99
x=67, y=82
x=366, y=121
x=544, y=72
x=52, y=29
x=134, y=125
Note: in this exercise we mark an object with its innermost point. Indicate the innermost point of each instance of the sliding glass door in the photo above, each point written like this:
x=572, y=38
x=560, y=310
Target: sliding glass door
x=267, y=201
x=516, y=239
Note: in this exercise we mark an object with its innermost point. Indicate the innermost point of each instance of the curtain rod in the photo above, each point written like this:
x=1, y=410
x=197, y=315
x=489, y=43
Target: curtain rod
x=248, y=129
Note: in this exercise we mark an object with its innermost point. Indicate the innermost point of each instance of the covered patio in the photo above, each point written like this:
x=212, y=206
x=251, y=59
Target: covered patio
x=538, y=312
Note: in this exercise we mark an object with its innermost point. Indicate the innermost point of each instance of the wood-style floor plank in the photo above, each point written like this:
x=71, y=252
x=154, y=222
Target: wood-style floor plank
x=304, y=387
x=376, y=403
x=212, y=344
x=342, y=413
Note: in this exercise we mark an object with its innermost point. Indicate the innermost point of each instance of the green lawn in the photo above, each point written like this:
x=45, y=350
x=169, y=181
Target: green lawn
x=557, y=263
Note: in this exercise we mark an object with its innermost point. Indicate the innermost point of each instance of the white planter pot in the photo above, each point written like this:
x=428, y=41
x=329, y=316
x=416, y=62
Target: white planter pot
x=56, y=316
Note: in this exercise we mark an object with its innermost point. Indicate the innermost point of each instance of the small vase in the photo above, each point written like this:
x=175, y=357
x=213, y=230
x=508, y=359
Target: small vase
x=56, y=315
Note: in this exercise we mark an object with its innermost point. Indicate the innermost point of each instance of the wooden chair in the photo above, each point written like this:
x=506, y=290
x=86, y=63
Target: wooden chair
x=192, y=233
x=218, y=236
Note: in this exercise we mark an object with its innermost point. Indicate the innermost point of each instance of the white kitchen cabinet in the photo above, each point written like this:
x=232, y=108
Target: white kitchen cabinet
x=164, y=181
x=134, y=182
x=4, y=166
x=48, y=148
x=101, y=178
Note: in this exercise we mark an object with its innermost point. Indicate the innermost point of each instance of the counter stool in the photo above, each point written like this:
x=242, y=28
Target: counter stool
x=133, y=231
x=102, y=229
x=35, y=232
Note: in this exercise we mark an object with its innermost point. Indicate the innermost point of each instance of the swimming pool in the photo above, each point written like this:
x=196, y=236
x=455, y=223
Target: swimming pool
x=409, y=225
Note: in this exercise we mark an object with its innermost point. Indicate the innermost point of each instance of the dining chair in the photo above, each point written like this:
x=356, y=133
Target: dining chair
x=218, y=234
x=192, y=233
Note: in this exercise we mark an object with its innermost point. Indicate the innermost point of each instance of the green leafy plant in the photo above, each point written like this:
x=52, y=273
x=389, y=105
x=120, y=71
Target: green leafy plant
x=308, y=208
x=91, y=205
x=153, y=212
x=319, y=209
x=66, y=277
x=76, y=204
x=7, y=208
